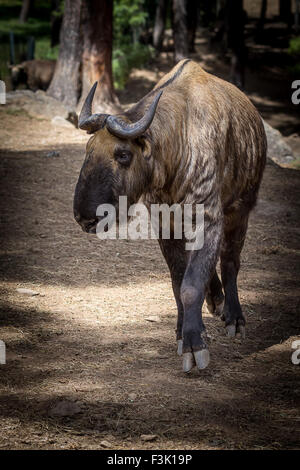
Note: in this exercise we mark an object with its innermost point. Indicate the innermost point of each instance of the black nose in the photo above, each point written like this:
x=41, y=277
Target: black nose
x=90, y=226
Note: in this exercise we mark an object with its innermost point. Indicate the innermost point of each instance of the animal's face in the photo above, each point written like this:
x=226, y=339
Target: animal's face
x=112, y=167
x=118, y=161
x=17, y=75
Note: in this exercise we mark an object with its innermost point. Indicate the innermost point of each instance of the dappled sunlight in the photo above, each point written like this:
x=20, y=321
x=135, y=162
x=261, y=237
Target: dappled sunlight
x=101, y=331
x=90, y=325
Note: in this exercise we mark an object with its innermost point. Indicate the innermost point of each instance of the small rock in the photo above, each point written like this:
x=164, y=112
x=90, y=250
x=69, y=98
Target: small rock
x=153, y=318
x=106, y=444
x=61, y=122
x=23, y=290
x=65, y=408
x=52, y=154
x=152, y=353
x=132, y=396
x=38, y=105
x=279, y=151
x=148, y=437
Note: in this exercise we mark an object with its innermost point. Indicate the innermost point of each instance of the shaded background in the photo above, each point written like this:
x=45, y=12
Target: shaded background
x=91, y=354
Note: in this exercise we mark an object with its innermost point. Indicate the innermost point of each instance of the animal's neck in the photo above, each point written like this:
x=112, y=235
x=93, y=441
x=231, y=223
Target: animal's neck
x=168, y=135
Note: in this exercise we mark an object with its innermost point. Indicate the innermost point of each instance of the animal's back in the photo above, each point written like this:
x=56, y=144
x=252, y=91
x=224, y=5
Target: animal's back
x=39, y=72
x=223, y=123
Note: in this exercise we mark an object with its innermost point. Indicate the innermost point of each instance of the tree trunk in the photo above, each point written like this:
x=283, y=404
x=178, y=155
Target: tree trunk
x=297, y=15
x=65, y=82
x=219, y=6
x=235, y=23
x=192, y=21
x=180, y=33
x=97, y=21
x=25, y=10
x=285, y=11
x=160, y=23
x=262, y=18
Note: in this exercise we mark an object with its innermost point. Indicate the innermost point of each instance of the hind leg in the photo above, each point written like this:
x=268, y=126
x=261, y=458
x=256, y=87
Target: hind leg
x=215, y=297
x=233, y=241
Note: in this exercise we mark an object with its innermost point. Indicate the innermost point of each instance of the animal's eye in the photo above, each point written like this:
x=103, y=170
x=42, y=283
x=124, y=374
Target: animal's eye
x=124, y=157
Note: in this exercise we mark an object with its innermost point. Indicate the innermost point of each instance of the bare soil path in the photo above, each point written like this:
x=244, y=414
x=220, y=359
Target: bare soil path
x=100, y=334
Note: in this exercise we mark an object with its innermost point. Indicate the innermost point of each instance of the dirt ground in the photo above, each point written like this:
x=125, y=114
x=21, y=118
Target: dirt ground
x=100, y=333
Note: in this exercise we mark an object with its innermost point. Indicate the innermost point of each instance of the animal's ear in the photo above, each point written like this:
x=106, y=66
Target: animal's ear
x=145, y=145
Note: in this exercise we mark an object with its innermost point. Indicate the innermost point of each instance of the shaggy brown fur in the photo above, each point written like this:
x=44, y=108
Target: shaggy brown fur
x=206, y=145
x=34, y=74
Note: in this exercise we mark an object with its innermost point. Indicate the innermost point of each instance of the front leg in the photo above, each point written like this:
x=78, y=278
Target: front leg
x=176, y=258
x=198, y=274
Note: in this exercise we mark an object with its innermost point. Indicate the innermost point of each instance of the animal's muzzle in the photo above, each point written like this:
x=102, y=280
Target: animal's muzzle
x=91, y=226
x=88, y=226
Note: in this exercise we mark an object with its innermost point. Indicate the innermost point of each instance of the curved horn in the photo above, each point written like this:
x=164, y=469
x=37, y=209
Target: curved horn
x=120, y=128
x=88, y=121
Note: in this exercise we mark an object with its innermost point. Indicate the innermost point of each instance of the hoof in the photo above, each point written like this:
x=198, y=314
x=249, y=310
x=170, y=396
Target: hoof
x=210, y=307
x=179, y=347
x=202, y=358
x=242, y=331
x=214, y=308
x=198, y=358
x=231, y=330
x=188, y=362
x=219, y=309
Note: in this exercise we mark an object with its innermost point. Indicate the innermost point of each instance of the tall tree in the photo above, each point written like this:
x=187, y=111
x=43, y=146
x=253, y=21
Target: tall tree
x=262, y=17
x=180, y=31
x=97, y=21
x=26, y=5
x=285, y=11
x=65, y=82
x=235, y=24
x=85, y=55
x=160, y=23
x=192, y=21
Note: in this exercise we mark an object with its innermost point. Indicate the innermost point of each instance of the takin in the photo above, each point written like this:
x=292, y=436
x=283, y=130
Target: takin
x=194, y=139
x=35, y=74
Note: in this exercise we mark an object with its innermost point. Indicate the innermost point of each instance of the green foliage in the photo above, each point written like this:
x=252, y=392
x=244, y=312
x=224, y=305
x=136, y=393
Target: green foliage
x=127, y=57
x=294, y=47
x=294, y=50
x=295, y=70
x=129, y=19
x=33, y=27
x=12, y=8
x=11, y=3
x=43, y=49
x=60, y=11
